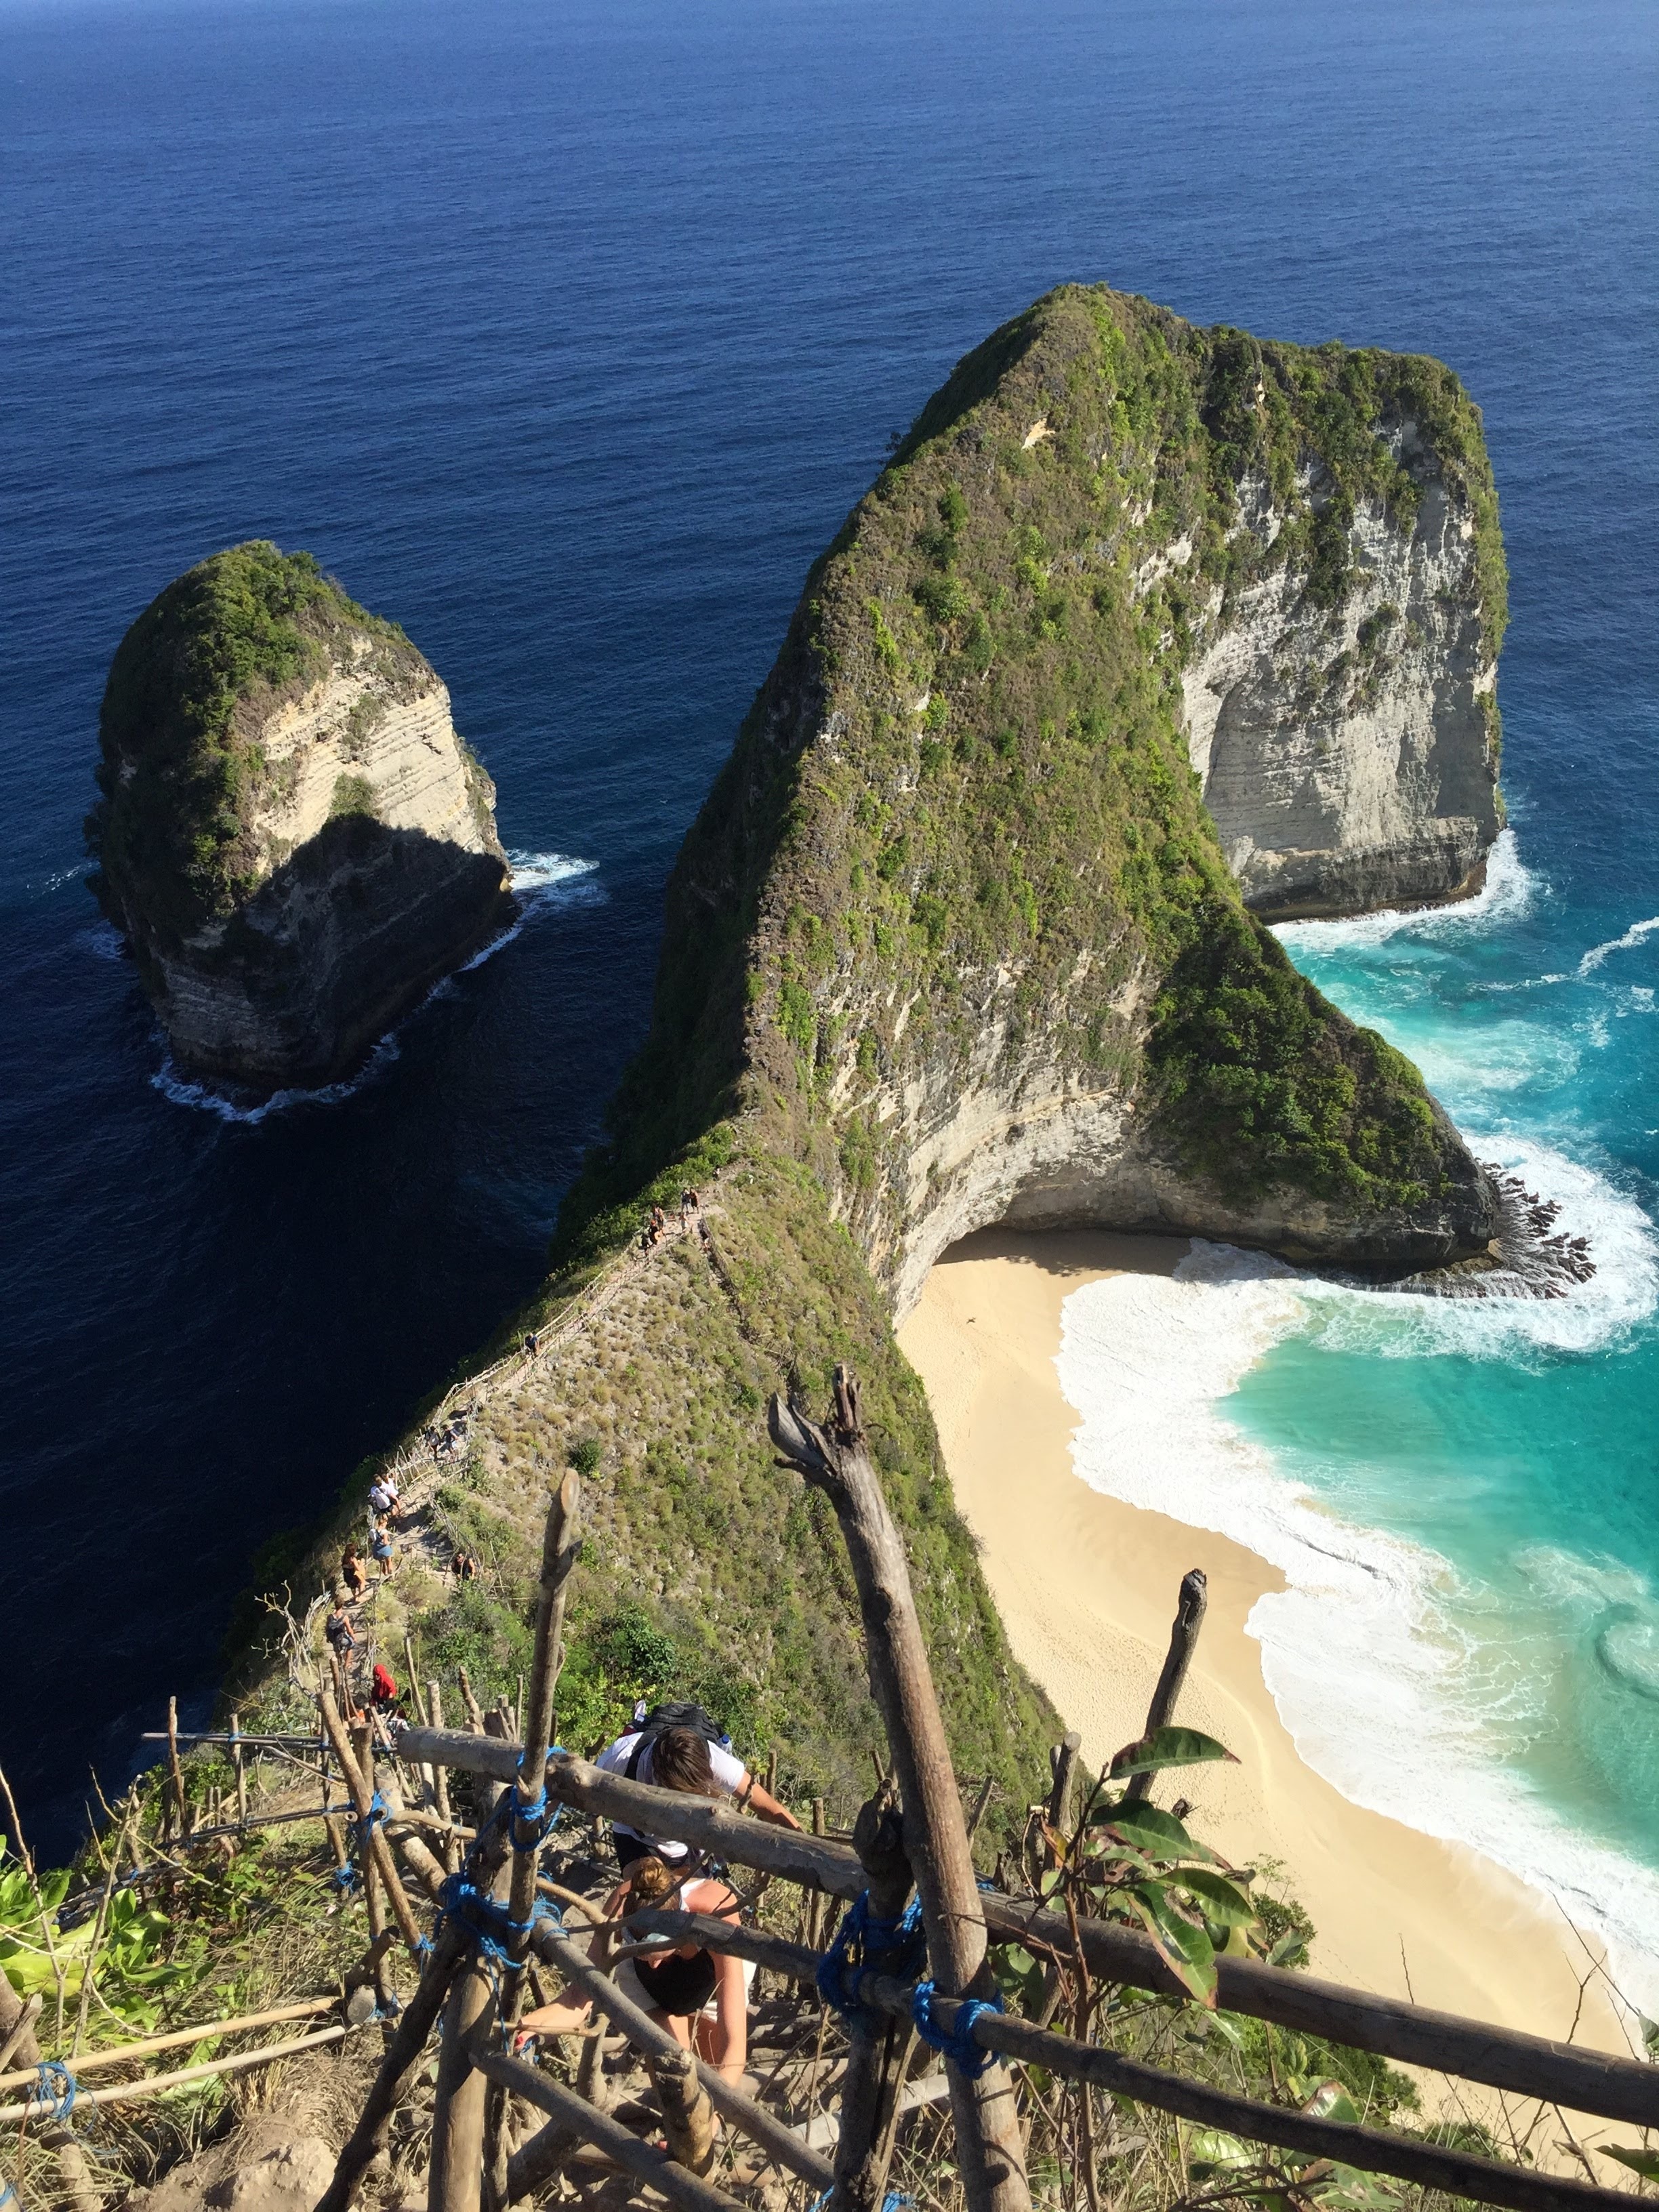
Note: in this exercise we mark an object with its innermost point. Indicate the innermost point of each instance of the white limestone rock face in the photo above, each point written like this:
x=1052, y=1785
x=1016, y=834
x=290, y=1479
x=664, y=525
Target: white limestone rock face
x=360, y=863
x=1348, y=753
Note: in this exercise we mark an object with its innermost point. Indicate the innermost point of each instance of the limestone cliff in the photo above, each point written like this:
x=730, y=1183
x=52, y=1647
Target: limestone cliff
x=955, y=923
x=1347, y=740
x=292, y=834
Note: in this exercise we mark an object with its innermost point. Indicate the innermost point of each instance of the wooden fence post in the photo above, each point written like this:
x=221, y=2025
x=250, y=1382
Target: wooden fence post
x=990, y=2155
x=1183, y=1636
x=876, y=2053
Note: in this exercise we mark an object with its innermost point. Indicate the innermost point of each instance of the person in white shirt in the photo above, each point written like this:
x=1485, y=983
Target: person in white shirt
x=681, y=1759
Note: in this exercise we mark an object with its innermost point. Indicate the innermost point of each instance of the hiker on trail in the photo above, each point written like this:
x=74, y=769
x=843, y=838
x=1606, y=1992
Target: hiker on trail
x=337, y=1628
x=675, y=1747
x=700, y=1996
x=688, y=1207
x=381, y=1550
x=382, y=1691
x=383, y=1500
x=352, y=1573
x=464, y=1566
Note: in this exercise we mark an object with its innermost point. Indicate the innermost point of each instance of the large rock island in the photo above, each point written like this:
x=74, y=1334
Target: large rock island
x=293, y=836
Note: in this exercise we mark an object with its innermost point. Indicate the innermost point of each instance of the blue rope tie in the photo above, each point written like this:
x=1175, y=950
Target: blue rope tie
x=894, y=2200
x=536, y=1820
x=957, y=2044
x=345, y=1877
x=491, y=1926
x=864, y=1940
x=378, y=1812
x=56, y=2086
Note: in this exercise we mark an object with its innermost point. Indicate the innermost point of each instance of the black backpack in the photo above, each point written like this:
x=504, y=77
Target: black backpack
x=660, y=1719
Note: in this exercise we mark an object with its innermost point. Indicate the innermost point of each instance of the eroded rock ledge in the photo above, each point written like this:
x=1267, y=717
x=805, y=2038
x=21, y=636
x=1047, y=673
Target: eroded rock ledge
x=292, y=835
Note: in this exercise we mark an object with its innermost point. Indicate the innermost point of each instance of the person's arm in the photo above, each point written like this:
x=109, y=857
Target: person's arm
x=761, y=1801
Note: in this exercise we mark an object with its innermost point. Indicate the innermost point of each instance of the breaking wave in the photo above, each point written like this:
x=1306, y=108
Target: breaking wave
x=1382, y=1659
x=540, y=883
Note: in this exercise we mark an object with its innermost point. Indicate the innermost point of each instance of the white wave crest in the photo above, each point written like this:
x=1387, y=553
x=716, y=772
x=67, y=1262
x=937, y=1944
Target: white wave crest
x=1382, y=1688
x=1637, y=933
x=1510, y=891
x=1622, y=1292
x=538, y=880
x=184, y=1090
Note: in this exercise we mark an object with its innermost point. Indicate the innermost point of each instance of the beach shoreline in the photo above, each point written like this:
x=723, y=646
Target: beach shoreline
x=1086, y=1586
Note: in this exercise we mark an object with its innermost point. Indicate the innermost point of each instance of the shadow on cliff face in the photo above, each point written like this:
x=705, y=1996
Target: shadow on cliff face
x=341, y=941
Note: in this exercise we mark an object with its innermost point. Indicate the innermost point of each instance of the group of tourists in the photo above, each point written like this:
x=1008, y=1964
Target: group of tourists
x=656, y=1221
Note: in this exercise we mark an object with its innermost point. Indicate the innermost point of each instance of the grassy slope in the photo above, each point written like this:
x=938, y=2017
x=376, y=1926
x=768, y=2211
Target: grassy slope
x=1037, y=810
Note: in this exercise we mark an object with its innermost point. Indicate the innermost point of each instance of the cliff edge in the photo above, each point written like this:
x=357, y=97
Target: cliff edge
x=291, y=834
x=955, y=926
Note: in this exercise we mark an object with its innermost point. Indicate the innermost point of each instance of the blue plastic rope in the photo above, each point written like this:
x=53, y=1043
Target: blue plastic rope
x=537, y=1817
x=345, y=1877
x=56, y=2086
x=864, y=1940
x=958, y=2044
x=490, y=1925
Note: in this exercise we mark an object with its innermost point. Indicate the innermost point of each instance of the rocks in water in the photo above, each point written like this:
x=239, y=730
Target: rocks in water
x=1520, y=1262
x=291, y=834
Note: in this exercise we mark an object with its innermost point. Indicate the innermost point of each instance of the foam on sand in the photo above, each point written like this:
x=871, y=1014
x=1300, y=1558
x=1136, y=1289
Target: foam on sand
x=1377, y=1670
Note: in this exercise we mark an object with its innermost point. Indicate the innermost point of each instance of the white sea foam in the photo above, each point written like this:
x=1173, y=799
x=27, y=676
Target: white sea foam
x=1510, y=889
x=1370, y=1652
x=1637, y=933
x=540, y=881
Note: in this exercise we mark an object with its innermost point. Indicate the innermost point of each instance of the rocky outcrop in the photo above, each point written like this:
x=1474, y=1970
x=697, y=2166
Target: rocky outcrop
x=1348, y=749
x=293, y=836
x=955, y=927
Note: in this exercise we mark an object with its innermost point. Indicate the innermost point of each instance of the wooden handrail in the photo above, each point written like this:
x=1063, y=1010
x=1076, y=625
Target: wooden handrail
x=1372, y=2150
x=1415, y=2035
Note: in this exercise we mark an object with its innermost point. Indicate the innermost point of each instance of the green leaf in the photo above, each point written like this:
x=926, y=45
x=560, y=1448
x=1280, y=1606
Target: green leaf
x=1644, y=2162
x=1290, y=1950
x=1152, y=1830
x=1168, y=1747
x=1217, y=1899
x=1209, y=2147
x=1331, y=2101
x=1183, y=1948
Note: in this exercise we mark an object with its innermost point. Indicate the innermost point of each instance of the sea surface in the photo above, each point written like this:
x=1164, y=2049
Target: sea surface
x=567, y=334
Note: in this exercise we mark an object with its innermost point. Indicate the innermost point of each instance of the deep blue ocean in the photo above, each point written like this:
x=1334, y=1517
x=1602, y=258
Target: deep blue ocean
x=566, y=336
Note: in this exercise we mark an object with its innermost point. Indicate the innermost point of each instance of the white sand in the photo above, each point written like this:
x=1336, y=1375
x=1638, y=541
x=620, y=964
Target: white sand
x=1086, y=1587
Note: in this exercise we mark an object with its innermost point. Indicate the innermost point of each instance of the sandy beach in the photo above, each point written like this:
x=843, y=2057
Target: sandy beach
x=1087, y=1586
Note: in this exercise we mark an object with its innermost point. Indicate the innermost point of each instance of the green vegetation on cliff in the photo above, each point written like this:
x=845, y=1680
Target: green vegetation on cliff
x=964, y=795
x=959, y=832
x=181, y=767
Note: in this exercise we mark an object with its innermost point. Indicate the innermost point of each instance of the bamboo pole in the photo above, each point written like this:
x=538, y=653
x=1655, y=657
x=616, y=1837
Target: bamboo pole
x=560, y=1544
x=1425, y=2166
x=1064, y=1757
x=434, y=1698
x=173, y=1767
x=1441, y=2043
x=1183, y=1637
x=124, y=2092
x=990, y=2155
x=180, y=2039
x=371, y=1843
x=240, y=1763
x=653, y=2167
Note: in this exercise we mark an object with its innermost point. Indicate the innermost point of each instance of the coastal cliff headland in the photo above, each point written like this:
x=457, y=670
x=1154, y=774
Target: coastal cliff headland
x=955, y=941
x=291, y=834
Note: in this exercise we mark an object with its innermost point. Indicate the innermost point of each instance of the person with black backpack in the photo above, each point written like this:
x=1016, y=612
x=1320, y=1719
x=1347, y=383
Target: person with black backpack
x=678, y=1746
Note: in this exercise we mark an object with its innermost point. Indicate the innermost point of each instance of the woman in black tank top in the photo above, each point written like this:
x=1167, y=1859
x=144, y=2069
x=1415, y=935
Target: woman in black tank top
x=675, y=1985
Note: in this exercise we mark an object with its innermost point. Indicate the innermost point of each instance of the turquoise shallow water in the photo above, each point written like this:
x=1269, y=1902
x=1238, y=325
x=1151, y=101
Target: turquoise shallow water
x=1463, y=1495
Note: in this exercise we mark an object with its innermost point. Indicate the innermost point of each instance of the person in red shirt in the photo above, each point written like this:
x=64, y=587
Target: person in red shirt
x=383, y=1692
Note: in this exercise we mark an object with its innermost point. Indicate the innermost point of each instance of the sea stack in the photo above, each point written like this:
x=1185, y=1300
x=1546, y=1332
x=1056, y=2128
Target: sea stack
x=293, y=836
